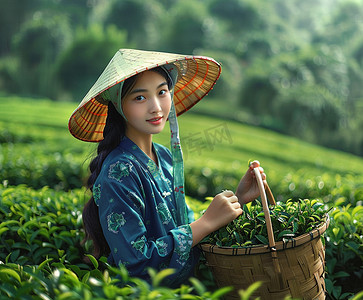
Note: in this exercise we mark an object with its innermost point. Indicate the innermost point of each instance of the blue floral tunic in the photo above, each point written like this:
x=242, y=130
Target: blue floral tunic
x=137, y=213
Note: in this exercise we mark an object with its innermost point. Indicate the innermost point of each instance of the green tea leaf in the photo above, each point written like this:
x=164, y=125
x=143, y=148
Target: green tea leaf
x=285, y=233
x=247, y=294
x=161, y=275
x=2, y=230
x=44, y=263
x=198, y=286
x=11, y=273
x=218, y=294
x=93, y=260
x=262, y=239
x=358, y=296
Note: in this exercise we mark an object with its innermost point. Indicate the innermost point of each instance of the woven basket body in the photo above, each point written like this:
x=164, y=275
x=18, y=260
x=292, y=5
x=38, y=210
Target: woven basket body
x=301, y=263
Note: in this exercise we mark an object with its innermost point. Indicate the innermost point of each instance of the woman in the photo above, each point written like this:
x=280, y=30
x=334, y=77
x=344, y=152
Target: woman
x=138, y=215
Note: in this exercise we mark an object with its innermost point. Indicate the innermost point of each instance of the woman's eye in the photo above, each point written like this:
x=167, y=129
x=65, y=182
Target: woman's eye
x=140, y=98
x=163, y=92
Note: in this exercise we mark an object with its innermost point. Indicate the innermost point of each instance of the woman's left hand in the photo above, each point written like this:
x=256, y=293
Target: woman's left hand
x=247, y=189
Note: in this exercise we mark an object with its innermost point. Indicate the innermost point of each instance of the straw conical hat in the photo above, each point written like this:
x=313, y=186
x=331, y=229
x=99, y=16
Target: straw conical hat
x=196, y=77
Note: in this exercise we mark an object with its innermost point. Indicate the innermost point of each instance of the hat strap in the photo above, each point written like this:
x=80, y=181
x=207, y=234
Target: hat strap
x=119, y=101
x=178, y=168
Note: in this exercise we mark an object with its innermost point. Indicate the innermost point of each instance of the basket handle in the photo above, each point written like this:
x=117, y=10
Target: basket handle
x=270, y=234
x=271, y=239
x=270, y=196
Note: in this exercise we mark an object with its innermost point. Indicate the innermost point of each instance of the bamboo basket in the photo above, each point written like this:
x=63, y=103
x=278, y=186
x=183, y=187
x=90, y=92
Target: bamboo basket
x=291, y=268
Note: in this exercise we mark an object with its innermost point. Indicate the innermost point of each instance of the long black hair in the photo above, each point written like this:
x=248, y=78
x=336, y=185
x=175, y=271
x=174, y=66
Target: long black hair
x=113, y=133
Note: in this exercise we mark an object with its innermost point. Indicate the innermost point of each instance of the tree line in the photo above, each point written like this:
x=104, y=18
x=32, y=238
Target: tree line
x=291, y=66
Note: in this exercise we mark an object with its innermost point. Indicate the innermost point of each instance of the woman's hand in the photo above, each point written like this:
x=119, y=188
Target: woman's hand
x=223, y=209
x=247, y=189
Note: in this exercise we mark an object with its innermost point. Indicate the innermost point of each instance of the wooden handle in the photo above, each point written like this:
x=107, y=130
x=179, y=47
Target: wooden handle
x=270, y=196
x=271, y=239
x=270, y=233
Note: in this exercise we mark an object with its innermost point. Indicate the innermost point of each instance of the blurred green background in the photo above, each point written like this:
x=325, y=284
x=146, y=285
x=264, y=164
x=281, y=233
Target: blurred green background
x=294, y=66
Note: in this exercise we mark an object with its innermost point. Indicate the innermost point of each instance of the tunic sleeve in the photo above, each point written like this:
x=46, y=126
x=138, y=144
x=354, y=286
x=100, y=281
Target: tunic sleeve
x=134, y=240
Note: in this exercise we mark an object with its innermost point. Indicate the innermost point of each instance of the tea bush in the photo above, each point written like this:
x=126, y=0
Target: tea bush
x=60, y=281
x=33, y=167
x=344, y=251
x=39, y=225
x=29, y=156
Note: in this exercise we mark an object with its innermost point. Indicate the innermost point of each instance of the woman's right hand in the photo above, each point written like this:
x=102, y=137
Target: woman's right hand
x=223, y=209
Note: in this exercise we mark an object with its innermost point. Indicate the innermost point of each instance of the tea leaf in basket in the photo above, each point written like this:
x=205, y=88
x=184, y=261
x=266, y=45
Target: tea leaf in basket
x=295, y=226
x=262, y=239
x=290, y=219
x=285, y=233
x=237, y=237
x=252, y=234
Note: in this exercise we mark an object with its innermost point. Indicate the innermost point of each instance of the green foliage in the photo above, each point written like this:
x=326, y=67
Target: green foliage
x=40, y=225
x=289, y=219
x=185, y=32
x=56, y=170
x=65, y=281
x=35, y=147
x=345, y=254
x=241, y=16
x=11, y=20
x=41, y=39
x=141, y=20
x=296, y=92
x=36, y=46
x=304, y=108
x=84, y=60
x=247, y=294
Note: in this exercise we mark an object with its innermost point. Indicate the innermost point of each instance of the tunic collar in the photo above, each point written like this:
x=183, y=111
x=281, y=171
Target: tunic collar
x=129, y=146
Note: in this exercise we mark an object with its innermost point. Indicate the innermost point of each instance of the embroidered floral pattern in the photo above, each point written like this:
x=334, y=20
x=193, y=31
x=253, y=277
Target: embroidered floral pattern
x=162, y=247
x=184, y=242
x=119, y=170
x=139, y=244
x=153, y=169
x=173, y=212
x=169, y=184
x=115, y=222
x=97, y=193
x=164, y=213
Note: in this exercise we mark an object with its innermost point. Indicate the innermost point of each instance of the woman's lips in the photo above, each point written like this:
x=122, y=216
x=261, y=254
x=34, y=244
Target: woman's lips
x=155, y=121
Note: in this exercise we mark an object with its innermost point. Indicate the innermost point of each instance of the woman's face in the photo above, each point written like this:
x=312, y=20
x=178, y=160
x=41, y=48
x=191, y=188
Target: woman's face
x=147, y=105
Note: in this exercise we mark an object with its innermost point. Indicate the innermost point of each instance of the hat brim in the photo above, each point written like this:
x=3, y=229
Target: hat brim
x=196, y=77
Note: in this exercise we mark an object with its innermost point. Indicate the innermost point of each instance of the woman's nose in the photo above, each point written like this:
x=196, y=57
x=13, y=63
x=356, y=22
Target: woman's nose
x=155, y=105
